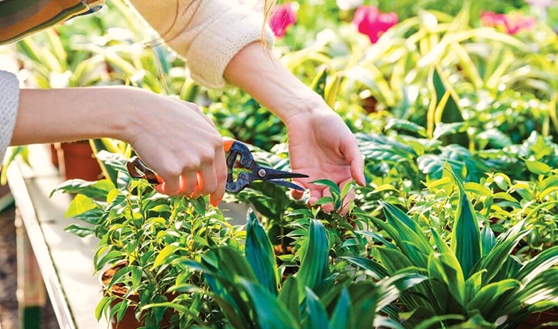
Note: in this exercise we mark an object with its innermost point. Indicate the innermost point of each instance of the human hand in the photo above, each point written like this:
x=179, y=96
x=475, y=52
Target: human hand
x=322, y=147
x=181, y=144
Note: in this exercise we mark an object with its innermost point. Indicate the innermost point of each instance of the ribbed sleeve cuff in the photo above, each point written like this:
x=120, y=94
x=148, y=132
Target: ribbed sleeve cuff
x=9, y=103
x=228, y=31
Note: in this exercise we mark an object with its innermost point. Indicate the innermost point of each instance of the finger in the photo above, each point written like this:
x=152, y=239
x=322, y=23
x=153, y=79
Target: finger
x=221, y=172
x=328, y=207
x=207, y=180
x=353, y=156
x=189, y=181
x=170, y=186
x=316, y=193
x=296, y=194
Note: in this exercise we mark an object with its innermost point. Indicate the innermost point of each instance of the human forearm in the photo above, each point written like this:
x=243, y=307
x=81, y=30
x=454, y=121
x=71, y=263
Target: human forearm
x=206, y=33
x=259, y=73
x=55, y=115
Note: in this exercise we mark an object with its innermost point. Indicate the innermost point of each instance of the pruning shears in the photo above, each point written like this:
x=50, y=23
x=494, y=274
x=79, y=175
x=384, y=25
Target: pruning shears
x=255, y=172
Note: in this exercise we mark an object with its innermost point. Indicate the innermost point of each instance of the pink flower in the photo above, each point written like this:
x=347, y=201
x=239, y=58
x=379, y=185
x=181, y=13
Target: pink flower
x=511, y=23
x=371, y=22
x=283, y=16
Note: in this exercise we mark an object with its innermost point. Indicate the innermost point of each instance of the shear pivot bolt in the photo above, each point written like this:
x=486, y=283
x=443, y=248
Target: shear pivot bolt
x=261, y=173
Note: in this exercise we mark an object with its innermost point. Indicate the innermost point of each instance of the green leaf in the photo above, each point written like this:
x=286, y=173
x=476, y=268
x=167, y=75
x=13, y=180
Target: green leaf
x=394, y=260
x=136, y=275
x=163, y=255
x=440, y=243
x=405, y=125
x=538, y=295
x=111, y=257
x=314, y=265
x=438, y=320
x=473, y=285
x=102, y=307
x=121, y=272
x=543, y=261
x=289, y=296
x=466, y=242
x=333, y=188
x=269, y=313
x=446, y=268
x=316, y=316
x=79, y=205
x=341, y=316
x=260, y=255
x=501, y=252
x=378, y=271
x=488, y=297
x=324, y=200
x=79, y=230
x=178, y=307
x=407, y=233
x=95, y=190
x=538, y=167
x=488, y=240
x=319, y=83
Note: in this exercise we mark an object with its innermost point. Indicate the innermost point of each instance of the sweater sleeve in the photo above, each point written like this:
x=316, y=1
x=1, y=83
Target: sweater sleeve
x=9, y=103
x=207, y=33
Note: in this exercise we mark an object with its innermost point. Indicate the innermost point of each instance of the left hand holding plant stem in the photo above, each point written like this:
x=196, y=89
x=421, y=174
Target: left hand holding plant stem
x=320, y=144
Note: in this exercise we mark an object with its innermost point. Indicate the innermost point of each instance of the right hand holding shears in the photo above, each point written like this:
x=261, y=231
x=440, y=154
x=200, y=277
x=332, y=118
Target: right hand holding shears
x=180, y=144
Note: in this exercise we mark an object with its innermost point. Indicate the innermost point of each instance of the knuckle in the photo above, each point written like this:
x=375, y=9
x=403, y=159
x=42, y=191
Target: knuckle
x=194, y=107
x=210, y=188
x=171, y=171
x=192, y=165
x=222, y=175
x=216, y=141
x=207, y=156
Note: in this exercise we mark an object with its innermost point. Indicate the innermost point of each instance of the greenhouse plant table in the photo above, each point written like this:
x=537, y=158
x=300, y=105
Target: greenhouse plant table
x=46, y=253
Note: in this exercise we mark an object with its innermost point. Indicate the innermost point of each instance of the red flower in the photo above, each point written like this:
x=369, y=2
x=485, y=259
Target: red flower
x=511, y=24
x=283, y=16
x=371, y=22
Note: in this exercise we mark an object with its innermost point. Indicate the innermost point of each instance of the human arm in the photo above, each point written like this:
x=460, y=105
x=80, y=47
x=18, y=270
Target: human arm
x=9, y=100
x=320, y=144
x=172, y=137
x=220, y=41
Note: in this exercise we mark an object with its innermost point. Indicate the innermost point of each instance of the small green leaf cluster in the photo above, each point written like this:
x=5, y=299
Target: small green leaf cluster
x=145, y=232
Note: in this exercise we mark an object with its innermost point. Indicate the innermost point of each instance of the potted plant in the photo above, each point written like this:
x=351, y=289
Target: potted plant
x=141, y=232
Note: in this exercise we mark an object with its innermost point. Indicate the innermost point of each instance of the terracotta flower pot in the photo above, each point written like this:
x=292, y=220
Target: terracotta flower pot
x=129, y=320
x=79, y=161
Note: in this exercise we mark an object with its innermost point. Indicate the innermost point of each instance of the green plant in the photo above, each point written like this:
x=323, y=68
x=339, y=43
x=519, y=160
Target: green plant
x=147, y=231
x=247, y=288
x=475, y=278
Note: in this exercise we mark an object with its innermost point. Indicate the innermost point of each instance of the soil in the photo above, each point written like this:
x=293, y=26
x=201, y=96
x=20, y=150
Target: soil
x=8, y=278
x=118, y=289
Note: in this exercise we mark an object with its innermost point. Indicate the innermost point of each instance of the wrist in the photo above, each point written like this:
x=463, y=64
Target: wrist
x=303, y=104
x=130, y=108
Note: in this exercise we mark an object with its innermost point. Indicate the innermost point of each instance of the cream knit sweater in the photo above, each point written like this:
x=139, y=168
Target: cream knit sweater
x=207, y=33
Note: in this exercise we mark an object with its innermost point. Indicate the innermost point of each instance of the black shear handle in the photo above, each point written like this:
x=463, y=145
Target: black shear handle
x=138, y=169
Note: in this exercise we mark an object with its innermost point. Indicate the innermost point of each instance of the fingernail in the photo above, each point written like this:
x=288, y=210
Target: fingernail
x=215, y=203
